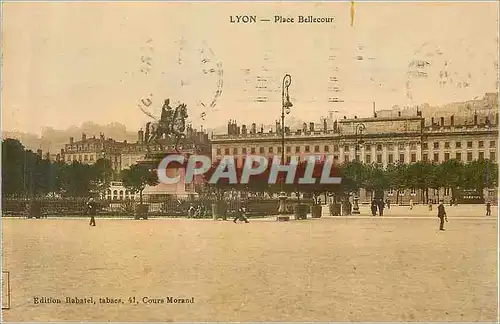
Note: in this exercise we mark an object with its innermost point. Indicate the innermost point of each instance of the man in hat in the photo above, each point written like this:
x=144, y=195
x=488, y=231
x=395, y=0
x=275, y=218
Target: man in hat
x=488, y=209
x=442, y=215
x=241, y=215
x=91, y=208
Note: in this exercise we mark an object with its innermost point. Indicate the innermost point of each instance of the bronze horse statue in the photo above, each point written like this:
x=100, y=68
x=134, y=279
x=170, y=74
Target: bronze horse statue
x=171, y=124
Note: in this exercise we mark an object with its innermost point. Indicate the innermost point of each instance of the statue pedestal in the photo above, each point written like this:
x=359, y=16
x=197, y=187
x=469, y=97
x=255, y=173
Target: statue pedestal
x=282, y=217
x=355, y=207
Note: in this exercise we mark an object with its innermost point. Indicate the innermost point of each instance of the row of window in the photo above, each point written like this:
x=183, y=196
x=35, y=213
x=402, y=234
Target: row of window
x=94, y=148
x=458, y=144
x=81, y=157
x=307, y=149
x=326, y=148
x=84, y=157
x=115, y=192
x=83, y=147
x=435, y=192
x=458, y=156
x=412, y=158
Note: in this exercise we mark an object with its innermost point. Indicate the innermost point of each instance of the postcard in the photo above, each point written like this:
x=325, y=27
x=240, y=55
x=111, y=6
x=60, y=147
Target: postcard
x=249, y=161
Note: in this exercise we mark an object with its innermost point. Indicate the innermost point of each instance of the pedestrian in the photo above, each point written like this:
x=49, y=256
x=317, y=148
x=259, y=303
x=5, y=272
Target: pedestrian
x=411, y=204
x=381, y=206
x=91, y=209
x=488, y=209
x=190, y=211
x=349, y=207
x=430, y=205
x=442, y=215
x=374, y=207
x=388, y=203
x=240, y=215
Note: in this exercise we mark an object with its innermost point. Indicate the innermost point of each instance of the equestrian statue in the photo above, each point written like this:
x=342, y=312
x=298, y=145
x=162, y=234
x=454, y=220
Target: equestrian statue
x=172, y=124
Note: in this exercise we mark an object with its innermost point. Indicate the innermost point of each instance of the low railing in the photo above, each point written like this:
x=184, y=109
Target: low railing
x=170, y=207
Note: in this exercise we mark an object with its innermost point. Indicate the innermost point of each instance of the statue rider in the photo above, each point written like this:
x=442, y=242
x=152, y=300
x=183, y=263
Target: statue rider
x=166, y=116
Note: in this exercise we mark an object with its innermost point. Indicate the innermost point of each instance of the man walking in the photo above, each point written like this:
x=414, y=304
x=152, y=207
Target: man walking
x=381, y=206
x=374, y=207
x=91, y=208
x=442, y=215
x=488, y=209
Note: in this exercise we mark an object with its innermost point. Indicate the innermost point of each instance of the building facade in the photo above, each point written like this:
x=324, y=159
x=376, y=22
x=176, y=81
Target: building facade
x=123, y=155
x=379, y=140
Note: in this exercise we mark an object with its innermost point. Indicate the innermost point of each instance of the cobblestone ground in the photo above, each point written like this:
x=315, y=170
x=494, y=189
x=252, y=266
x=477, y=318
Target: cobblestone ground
x=330, y=269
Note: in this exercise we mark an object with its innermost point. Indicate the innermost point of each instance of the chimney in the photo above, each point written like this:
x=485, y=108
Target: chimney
x=304, y=127
x=432, y=121
x=355, y=117
x=235, y=128
x=238, y=130
x=140, y=136
x=124, y=141
x=229, y=128
x=244, y=129
x=324, y=125
x=311, y=127
x=71, y=140
x=278, y=128
x=442, y=121
x=253, y=129
x=335, y=126
x=84, y=136
x=399, y=114
x=262, y=129
x=374, y=112
x=452, y=120
x=475, y=118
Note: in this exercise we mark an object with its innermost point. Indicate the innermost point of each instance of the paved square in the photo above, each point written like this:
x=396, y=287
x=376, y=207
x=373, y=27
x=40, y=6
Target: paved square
x=331, y=269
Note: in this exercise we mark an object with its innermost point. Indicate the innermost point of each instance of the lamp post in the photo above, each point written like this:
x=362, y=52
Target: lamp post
x=487, y=169
x=359, y=128
x=285, y=109
x=103, y=153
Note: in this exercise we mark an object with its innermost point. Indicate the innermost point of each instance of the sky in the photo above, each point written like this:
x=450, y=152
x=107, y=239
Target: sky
x=67, y=63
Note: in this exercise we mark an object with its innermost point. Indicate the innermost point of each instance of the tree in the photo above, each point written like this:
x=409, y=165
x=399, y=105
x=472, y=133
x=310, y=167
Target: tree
x=77, y=180
x=13, y=168
x=451, y=174
x=422, y=175
x=397, y=177
x=102, y=174
x=480, y=174
x=375, y=178
x=137, y=177
x=353, y=176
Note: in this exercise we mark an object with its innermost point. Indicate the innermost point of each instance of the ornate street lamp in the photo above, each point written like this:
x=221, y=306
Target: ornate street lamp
x=359, y=128
x=285, y=109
